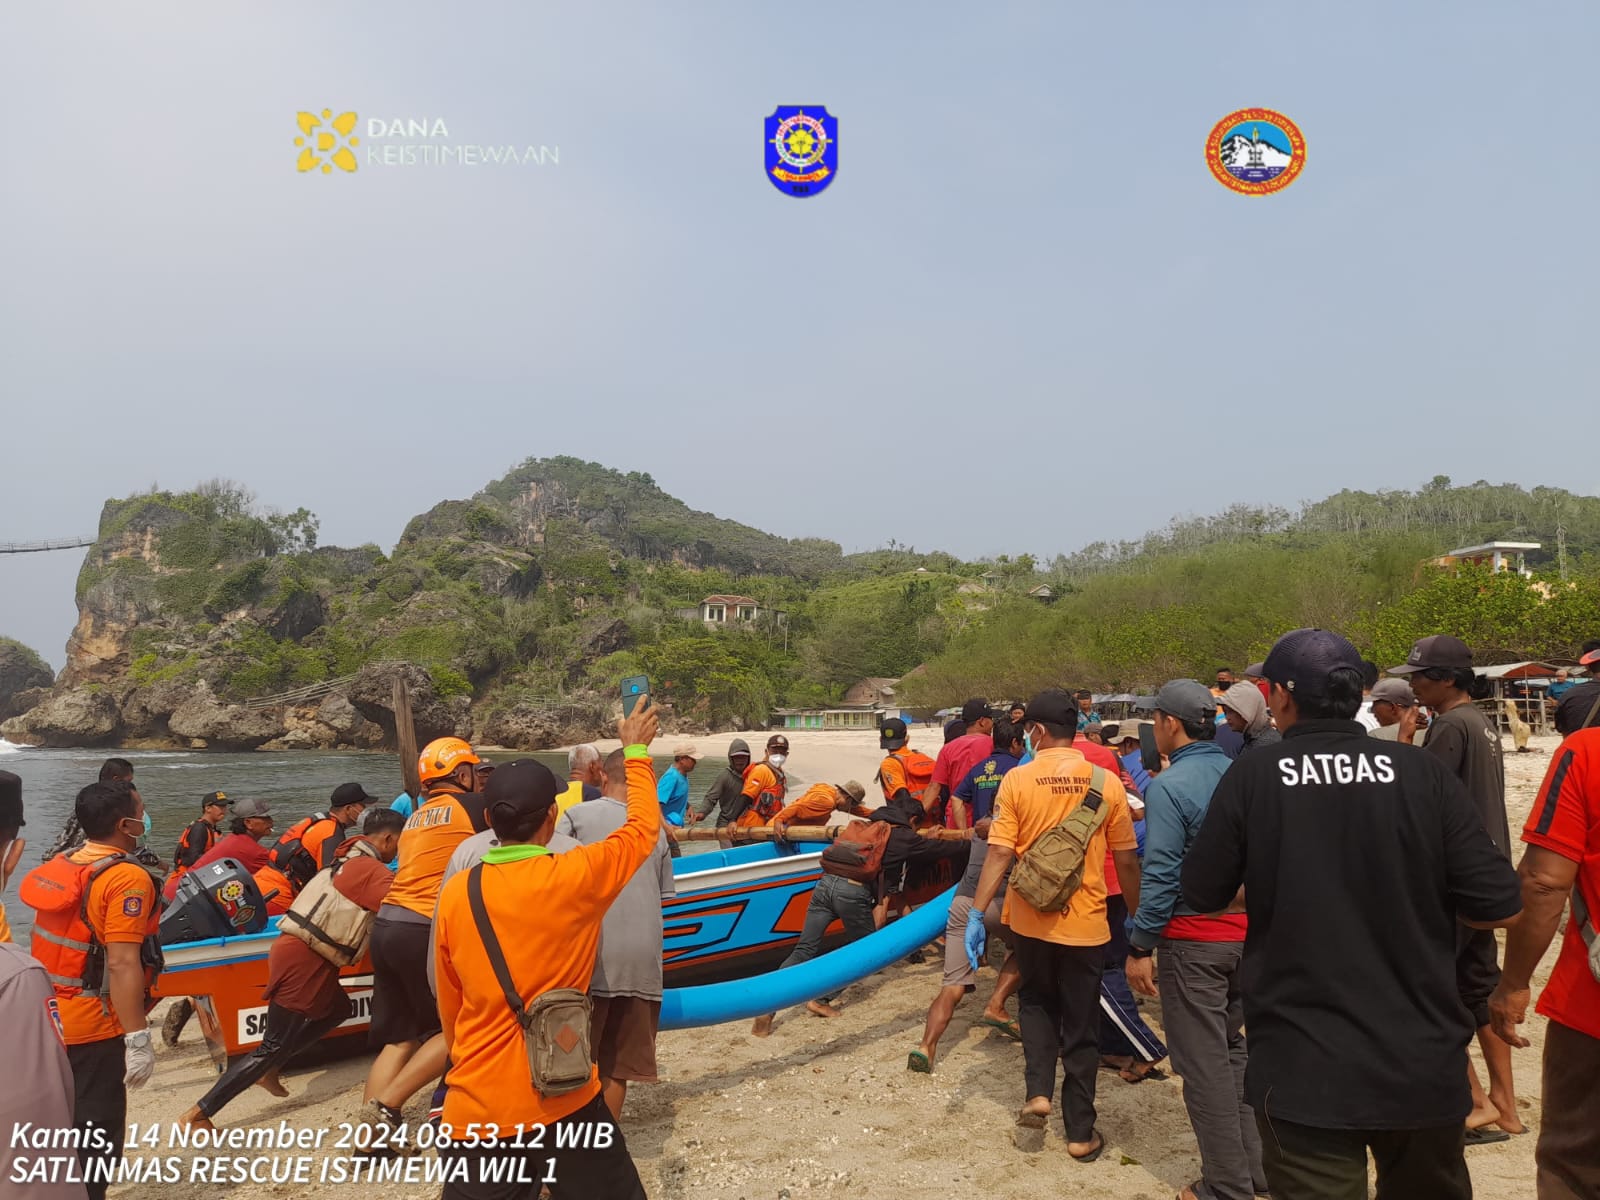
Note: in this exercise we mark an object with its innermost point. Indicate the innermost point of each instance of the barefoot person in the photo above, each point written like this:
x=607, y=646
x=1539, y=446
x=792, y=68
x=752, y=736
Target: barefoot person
x=626, y=988
x=304, y=997
x=1441, y=676
x=1061, y=953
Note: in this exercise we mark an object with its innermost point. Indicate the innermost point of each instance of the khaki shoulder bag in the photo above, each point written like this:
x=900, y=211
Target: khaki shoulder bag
x=555, y=1027
x=1050, y=871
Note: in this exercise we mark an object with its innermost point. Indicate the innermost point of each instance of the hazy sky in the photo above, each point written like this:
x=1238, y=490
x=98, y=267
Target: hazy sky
x=1024, y=317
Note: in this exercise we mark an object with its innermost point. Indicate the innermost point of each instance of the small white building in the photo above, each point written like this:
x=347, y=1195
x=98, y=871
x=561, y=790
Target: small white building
x=721, y=612
x=1497, y=556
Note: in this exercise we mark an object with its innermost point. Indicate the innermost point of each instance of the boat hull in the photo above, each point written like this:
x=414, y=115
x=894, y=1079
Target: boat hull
x=737, y=913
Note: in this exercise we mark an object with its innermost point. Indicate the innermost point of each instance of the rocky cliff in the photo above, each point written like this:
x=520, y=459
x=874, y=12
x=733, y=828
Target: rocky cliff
x=204, y=623
x=23, y=675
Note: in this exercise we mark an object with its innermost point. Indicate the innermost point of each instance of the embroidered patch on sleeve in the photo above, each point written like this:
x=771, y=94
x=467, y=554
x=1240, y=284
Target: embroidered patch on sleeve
x=132, y=906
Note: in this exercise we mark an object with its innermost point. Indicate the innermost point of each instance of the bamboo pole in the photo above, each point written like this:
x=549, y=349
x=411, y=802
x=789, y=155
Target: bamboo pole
x=740, y=834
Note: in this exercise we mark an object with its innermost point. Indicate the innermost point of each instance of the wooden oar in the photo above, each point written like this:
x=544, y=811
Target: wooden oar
x=405, y=736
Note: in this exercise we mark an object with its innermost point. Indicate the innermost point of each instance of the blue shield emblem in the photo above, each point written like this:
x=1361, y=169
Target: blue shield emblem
x=802, y=149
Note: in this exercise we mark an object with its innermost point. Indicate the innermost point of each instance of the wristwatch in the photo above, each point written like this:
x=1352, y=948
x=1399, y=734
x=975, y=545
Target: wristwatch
x=1140, y=951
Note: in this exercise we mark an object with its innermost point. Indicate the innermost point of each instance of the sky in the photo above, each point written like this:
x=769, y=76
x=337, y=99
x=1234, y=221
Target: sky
x=1023, y=317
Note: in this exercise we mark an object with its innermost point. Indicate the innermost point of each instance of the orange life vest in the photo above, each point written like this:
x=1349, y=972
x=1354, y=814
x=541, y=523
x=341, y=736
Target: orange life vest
x=916, y=771
x=768, y=802
x=291, y=856
x=186, y=841
x=63, y=939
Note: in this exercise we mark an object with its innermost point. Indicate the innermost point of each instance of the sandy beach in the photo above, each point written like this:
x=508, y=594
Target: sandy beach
x=828, y=1107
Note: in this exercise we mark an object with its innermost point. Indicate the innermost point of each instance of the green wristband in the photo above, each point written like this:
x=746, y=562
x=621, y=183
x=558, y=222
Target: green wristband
x=636, y=751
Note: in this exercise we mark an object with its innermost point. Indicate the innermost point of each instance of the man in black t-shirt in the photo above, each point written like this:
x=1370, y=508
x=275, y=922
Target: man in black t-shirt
x=1577, y=708
x=1464, y=740
x=1357, y=858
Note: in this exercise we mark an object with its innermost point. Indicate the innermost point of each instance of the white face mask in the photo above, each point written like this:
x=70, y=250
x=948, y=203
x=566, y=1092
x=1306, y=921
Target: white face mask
x=777, y=760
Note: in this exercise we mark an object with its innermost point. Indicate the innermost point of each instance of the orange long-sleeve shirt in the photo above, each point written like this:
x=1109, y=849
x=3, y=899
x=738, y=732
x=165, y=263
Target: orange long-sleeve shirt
x=546, y=912
x=814, y=807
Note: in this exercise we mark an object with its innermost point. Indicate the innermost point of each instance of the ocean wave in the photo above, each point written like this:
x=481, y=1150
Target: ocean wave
x=7, y=747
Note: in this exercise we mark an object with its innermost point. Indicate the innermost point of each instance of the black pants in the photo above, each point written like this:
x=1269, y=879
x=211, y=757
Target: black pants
x=100, y=1107
x=834, y=898
x=596, y=1173
x=1058, y=1008
x=287, y=1034
x=1305, y=1163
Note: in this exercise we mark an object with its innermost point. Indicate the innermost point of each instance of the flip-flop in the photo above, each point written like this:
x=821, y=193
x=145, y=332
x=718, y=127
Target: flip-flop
x=1010, y=1027
x=1027, y=1119
x=918, y=1061
x=1155, y=1073
x=1093, y=1154
x=1484, y=1136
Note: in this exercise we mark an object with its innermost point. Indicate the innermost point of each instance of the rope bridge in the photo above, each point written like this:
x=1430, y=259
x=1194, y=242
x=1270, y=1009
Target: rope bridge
x=50, y=544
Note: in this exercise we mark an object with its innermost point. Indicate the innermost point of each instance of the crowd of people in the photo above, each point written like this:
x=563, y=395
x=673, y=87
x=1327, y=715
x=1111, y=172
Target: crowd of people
x=1306, y=865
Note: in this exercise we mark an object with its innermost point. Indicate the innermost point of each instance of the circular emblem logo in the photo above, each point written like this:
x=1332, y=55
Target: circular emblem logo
x=1256, y=151
x=800, y=141
x=231, y=890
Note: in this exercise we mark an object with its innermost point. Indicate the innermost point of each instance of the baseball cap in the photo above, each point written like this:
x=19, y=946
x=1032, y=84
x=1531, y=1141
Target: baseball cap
x=975, y=710
x=854, y=790
x=1053, y=706
x=251, y=808
x=1589, y=659
x=1256, y=670
x=687, y=750
x=1395, y=691
x=1189, y=700
x=220, y=798
x=778, y=742
x=1440, y=650
x=350, y=793
x=892, y=734
x=1302, y=659
x=1130, y=729
x=954, y=729
x=523, y=788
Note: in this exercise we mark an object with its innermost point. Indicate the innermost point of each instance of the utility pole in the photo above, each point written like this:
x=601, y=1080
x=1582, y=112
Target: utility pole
x=1561, y=550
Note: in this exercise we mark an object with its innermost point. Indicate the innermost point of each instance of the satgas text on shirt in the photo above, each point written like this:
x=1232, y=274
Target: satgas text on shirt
x=1309, y=769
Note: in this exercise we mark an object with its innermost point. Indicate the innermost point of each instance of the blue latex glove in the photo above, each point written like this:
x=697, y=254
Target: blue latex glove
x=976, y=937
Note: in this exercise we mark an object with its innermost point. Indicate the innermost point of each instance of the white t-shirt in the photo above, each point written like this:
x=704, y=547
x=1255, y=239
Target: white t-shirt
x=1364, y=715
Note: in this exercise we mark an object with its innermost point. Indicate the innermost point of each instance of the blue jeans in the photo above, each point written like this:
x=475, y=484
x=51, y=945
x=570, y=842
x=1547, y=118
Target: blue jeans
x=834, y=899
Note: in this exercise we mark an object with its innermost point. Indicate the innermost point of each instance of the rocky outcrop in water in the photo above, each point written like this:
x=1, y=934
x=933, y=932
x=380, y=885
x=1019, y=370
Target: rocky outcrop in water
x=22, y=674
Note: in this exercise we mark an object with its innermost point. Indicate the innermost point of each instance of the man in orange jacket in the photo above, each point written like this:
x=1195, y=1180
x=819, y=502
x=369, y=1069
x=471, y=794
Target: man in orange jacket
x=543, y=913
x=819, y=802
x=95, y=910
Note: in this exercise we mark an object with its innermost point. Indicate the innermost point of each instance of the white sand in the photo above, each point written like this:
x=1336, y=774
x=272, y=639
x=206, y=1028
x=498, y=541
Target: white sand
x=828, y=1108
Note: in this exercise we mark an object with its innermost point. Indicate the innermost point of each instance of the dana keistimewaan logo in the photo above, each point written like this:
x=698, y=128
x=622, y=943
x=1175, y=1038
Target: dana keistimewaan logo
x=325, y=141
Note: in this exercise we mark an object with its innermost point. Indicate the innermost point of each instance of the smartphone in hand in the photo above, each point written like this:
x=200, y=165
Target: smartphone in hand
x=634, y=688
x=1149, y=754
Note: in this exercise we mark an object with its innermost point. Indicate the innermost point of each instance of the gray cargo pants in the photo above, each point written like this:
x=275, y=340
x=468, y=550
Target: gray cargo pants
x=1203, y=1013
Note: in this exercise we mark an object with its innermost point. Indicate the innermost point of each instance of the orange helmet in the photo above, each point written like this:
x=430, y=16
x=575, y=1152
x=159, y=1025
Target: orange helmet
x=442, y=756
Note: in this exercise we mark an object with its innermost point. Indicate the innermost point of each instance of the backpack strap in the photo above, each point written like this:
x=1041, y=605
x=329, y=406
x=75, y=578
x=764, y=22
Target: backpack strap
x=1580, y=913
x=491, y=943
x=1096, y=799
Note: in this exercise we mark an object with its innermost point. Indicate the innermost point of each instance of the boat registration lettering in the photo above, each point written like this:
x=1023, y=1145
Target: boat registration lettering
x=253, y=1021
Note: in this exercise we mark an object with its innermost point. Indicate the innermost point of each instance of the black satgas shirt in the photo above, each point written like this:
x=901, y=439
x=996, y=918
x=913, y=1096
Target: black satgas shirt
x=1356, y=857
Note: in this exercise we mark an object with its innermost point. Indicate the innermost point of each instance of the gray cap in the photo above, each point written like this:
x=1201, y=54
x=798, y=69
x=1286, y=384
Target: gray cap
x=1187, y=699
x=1396, y=691
x=251, y=808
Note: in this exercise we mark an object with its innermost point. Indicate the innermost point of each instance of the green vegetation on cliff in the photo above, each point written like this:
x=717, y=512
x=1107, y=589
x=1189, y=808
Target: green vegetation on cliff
x=564, y=576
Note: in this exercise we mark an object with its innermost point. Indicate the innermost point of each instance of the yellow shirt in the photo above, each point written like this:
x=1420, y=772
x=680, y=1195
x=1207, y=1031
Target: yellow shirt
x=1037, y=797
x=566, y=799
x=5, y=928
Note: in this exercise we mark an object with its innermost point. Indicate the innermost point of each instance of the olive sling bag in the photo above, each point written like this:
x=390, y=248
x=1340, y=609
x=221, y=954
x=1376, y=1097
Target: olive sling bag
x=1050, y=871
x=555, y=1027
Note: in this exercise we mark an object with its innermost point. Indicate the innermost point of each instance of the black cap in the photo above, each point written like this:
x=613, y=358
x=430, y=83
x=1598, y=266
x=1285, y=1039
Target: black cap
x=1302, y=660
x=975, y=710
x=523, y=788
x=350, y=793
x=1441, y=650
x=778, y=742
x=954, y=729
x=218, y=798
x=1053, y=706
x=892, y=734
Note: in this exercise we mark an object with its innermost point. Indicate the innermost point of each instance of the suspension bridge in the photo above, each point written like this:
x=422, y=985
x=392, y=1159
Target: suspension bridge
x=72, y=543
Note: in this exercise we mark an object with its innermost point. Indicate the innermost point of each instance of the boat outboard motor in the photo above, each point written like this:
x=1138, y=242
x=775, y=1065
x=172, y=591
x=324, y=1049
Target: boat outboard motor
x=217, y=900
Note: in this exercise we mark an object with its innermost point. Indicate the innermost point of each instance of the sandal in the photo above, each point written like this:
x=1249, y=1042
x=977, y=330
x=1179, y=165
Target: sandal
x=1486, y=1135
x=1093, y=1154
x=1009, y=1027
x=1151, y=1071
x=918, y=1061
